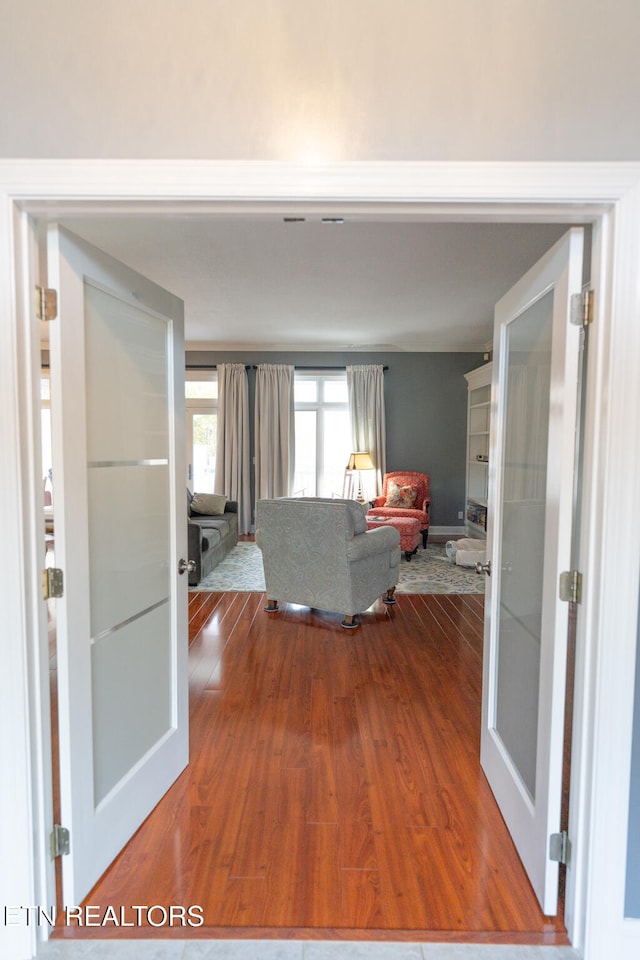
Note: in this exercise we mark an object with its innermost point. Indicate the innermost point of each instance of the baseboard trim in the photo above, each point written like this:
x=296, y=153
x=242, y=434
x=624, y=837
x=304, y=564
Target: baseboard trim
x=459, y=531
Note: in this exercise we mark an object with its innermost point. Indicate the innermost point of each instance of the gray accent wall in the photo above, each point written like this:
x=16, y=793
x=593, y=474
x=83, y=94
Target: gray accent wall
x=426, y=411
x=632, y=897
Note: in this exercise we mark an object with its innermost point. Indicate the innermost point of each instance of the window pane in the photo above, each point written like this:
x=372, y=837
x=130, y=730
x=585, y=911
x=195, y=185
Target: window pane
x=304, y=482
x=336, y=450
x=204, y=451
x=335, y=391
x=47, y=460
x=201, y=389
x=305, y=391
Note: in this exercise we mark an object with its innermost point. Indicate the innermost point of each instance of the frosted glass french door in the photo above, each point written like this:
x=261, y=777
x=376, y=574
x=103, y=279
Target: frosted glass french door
x=117, y=401
x=530, y=508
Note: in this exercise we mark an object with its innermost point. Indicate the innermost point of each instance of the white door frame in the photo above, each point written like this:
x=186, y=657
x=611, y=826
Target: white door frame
x=608, y=195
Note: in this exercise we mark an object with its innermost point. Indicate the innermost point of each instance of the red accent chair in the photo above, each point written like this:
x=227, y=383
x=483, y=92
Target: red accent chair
x=405, y=494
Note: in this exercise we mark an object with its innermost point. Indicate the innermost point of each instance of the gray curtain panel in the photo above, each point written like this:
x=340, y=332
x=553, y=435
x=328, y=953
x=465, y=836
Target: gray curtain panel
x=274, y=430
x=233, y=457
x=368, y=426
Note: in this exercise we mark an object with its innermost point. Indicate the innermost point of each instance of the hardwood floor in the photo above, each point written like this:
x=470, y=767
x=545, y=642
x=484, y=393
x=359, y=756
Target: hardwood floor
x=334, y=787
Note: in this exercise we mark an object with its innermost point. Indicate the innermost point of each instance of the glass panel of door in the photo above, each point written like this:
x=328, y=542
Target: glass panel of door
x=522, y=536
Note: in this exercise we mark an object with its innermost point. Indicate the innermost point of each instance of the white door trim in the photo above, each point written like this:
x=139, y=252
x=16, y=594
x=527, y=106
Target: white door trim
x=607, y=650
x=607, y=194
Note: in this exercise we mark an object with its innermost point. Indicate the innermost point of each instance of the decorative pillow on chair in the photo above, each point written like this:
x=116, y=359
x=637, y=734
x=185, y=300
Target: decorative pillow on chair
x=397, y=496
x=208, y=504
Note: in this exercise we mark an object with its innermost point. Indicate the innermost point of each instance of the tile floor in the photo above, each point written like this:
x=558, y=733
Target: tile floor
x=291, y=950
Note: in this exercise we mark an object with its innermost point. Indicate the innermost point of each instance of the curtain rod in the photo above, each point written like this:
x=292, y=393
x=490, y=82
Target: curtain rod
x=318, y=366
x=210, y=366
x=254, y=366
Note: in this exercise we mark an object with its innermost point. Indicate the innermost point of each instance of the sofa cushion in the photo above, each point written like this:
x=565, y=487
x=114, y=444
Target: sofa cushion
x=208, y=504
x=219, y=525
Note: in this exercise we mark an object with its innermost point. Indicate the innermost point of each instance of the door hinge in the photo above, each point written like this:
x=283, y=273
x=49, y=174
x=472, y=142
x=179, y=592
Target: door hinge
x=559, y=847
x=46, y=303
x=582, y=308
x=60, y=841
x=52, y=583
x=571, y=586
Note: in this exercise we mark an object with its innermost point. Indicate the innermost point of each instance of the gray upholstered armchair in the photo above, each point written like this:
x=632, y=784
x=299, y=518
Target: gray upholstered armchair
x=319, y=553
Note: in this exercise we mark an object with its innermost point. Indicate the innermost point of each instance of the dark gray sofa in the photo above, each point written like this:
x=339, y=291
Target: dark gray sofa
x=210, y=538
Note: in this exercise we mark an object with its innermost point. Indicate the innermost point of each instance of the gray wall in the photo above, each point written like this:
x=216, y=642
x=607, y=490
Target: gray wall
x=426, y=411
x=632, y=900
x=330, y=80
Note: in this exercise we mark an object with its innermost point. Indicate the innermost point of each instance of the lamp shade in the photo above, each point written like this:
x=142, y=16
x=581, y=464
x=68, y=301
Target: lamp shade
x=360, y=460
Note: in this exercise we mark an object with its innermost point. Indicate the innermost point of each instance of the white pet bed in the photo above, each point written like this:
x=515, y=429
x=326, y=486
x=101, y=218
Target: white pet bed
x=466, y=552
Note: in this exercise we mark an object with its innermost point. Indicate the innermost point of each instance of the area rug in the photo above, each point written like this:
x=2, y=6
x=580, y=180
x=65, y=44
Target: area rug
x=429, y=571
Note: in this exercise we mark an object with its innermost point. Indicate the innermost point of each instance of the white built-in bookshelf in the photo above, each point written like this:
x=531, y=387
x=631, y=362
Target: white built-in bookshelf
x=478, y=426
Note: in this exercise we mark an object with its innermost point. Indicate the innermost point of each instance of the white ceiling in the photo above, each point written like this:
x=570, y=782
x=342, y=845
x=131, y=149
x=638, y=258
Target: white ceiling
x=379, y=286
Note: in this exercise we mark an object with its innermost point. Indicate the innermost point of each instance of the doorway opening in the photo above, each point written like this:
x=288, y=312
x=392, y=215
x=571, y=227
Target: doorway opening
x=330, y=925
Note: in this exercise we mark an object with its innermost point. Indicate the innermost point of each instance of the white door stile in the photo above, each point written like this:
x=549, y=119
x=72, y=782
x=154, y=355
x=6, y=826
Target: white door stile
x=589, y=561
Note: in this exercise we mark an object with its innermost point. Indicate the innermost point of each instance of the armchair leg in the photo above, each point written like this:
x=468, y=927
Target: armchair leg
x=425, y=534
x=350, y=621
x=389, y=596
x=271, y=606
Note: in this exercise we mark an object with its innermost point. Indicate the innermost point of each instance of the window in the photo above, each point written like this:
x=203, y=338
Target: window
x=47, y=455
x=323, y=432
x=45, y=425
x=201, y=403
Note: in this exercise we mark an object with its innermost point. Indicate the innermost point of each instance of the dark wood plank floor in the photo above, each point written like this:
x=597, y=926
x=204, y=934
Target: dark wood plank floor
x=334, y=787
